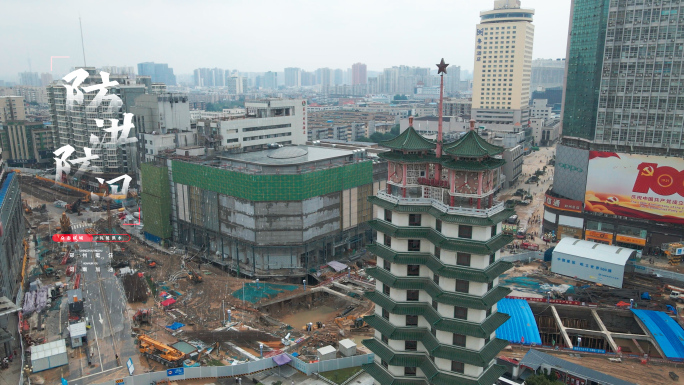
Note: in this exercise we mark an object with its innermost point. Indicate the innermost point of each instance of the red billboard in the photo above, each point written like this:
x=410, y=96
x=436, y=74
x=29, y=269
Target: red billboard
x=637, y=186
x=563, y=204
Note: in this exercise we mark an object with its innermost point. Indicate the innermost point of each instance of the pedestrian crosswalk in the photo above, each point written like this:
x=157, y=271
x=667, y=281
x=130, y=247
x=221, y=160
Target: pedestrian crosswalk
x=81, y=225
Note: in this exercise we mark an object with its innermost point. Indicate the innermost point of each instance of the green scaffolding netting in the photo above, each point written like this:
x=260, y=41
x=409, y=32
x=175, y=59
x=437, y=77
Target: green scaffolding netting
x=250, y=292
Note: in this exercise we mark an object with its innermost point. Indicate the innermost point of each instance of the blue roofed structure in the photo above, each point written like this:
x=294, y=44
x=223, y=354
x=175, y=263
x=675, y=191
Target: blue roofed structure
x=666, y=331
x=521, y=328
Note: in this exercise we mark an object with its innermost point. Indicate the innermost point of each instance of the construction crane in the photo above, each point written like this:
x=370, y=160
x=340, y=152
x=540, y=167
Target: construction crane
x=160, y=352
x=671, y=251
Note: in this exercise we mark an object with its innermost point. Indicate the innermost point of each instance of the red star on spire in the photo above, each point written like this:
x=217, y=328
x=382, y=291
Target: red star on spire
x=441, y=67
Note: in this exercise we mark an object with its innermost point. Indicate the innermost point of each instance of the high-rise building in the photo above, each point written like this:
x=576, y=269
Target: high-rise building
x=29, y=79
x=503, y=61
x=45, y=79
x=270, y=80
x=359, y=74
x=547, y=73
x=218, y=77
x=236, y=85
x=453, y=81
x=293, y=77
x=74, y=127
x=324, y=76
x=158, y=72
x=338, y=77
x=12, y=108
x=619, y=166
x=438, y=263
x=308, y=78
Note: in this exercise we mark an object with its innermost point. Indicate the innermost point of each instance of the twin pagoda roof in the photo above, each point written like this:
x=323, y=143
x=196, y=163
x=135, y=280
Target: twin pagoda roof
x=470, y=145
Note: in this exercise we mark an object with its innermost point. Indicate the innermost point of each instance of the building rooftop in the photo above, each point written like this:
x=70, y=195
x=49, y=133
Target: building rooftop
x=288, y=155
x=594, y=251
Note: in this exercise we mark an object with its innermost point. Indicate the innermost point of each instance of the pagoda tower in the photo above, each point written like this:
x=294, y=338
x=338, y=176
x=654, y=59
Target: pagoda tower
x=438, y=261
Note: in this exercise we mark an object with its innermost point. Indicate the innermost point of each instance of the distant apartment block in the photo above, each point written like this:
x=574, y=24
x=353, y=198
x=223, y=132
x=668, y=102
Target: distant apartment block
x=159, y=72
x=26, y=142
x=29, y=79
x=12, y=108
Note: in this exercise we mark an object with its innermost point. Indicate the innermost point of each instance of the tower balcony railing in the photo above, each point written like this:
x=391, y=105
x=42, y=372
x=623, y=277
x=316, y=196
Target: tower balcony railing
x=496, y=207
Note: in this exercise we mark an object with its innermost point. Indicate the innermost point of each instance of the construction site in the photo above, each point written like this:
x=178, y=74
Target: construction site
x=185, y=309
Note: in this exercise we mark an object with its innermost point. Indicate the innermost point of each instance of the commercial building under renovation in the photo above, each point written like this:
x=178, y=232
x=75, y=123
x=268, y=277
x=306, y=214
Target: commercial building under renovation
x=277, y=212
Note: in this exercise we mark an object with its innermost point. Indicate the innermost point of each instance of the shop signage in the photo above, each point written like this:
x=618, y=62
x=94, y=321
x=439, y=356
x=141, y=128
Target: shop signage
x=598, y=235
x=632, y=240
x=563, y=204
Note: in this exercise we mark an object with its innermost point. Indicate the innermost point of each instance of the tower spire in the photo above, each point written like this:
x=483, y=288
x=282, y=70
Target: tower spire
x=441, y=70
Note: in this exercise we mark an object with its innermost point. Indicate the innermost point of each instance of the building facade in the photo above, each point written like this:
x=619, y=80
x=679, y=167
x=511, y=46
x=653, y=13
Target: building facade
x=26, y=143
x=12, y=219
x=74, y=127
x=622, y=111
x=586, y=45
x=438, y=240
x=267, y=122
x=503, y=62
x=279, y=212
x=457, y=107
x=359, y=74
x=158, y=72
x=12, y=108
x=293, y=77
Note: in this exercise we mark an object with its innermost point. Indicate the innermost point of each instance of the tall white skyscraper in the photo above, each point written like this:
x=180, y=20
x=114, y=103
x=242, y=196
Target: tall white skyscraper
x=503, y=64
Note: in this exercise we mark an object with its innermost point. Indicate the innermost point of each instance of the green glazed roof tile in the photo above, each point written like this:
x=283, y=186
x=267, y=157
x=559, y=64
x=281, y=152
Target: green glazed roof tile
x=478, y=358
x=472, y=145
x=447, y=162
x=483, y=330
x=438, y=267
x=436, y=292
x=409, y=140
x=438, y=239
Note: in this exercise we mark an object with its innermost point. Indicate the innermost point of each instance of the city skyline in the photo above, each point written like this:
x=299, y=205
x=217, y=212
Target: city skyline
x=222, y=51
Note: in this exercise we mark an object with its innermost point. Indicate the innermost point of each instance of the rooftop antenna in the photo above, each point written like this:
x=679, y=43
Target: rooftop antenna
x=441, y=71
x=82, y=45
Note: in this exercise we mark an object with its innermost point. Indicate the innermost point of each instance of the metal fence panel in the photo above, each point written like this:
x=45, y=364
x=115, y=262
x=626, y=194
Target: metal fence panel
x=249, y=367
x=664, y=273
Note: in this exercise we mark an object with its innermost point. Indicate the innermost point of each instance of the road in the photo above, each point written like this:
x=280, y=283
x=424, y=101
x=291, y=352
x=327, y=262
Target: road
x=105, y=307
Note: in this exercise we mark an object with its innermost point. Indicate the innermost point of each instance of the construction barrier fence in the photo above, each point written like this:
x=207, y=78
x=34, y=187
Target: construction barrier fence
x=245, y=369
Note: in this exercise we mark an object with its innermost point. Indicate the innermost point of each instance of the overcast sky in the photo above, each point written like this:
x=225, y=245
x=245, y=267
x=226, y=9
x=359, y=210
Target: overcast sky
x=256, y=35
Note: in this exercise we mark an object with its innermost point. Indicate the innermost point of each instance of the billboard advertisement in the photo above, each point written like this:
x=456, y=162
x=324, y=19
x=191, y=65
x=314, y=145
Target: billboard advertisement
x=636, y=186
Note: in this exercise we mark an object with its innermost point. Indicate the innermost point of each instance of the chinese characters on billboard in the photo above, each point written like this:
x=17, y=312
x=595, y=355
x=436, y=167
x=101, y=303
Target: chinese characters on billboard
x=563, y=204
x=636, y=186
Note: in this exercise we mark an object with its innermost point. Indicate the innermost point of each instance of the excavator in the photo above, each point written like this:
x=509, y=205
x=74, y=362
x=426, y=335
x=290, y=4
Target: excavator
x=73, y=207
x=194, y=276
x=142, y=316
x=160, y=352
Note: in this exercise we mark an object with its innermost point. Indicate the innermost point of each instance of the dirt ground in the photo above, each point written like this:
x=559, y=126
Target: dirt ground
x=631, y=370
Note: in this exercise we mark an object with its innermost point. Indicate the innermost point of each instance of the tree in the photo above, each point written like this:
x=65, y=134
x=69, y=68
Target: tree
x=541, y=379
x=400, y=97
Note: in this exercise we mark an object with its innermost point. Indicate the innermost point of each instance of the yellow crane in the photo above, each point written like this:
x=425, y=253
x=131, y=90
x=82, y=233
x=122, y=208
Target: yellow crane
x=670, y=249
x=160, y=352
